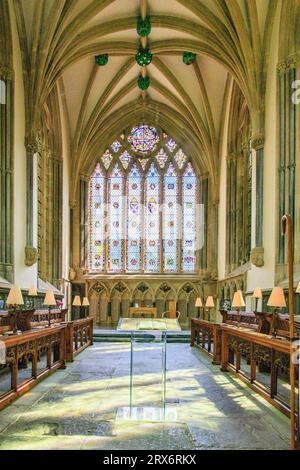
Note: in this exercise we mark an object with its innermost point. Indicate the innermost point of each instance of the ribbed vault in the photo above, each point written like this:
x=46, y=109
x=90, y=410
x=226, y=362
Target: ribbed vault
x=60, y=39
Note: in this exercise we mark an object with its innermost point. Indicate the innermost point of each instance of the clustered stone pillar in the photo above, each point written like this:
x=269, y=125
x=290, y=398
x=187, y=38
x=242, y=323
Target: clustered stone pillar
x=6, y=174
x=257, y=253
x=31, y=252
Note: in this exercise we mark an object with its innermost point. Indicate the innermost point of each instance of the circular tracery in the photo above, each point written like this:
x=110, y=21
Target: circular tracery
x=143, y=139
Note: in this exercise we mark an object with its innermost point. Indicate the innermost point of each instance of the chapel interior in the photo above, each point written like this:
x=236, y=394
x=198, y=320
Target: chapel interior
x=149, y=224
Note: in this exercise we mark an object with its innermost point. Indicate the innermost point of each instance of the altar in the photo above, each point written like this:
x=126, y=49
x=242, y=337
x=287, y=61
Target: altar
x=141, y=311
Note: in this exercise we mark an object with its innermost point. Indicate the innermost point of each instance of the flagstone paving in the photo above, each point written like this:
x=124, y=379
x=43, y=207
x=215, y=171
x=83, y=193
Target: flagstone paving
x=76, y=408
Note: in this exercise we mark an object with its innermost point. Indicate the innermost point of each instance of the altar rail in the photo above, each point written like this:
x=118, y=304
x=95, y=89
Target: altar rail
x=78, y=337
x=259, y=360
x=30, y=357
x=207, y=336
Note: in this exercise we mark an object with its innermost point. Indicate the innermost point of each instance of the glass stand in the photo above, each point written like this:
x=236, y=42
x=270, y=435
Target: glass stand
x=147, y=381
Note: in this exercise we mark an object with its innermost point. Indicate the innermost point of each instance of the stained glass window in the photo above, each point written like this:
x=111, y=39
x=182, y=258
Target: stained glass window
x=171, y=145
x=180, y=158
x=143, y=139
x=140, y=206
x=143, y=162
x=161, y=157
x=97, y=206
x=125, y=159
x=134, y=220
x=152, y=226
x=116, y=217
x=170, y=219
x=116, y=146
x=107, y=158
x=189, y=191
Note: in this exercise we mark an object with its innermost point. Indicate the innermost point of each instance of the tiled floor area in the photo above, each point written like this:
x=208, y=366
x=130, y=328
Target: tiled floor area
x=76, y=408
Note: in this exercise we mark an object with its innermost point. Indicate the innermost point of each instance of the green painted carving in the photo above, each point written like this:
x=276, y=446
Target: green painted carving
x=143, y=82
x=143, y=26
x=101, y=59
x=143, y=56
x=188, y=57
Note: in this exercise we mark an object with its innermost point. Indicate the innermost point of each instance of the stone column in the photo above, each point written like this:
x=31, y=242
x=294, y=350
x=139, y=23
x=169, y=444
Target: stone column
x=33, y=146
x=6, y=173
x=257, y=253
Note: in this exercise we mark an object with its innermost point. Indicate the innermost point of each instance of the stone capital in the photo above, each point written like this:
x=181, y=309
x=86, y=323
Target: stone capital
x=258, y=141
x=289, y=63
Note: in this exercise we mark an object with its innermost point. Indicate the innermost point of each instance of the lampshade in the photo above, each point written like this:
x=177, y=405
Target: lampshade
x=298, y=289
x=238, y=300
x=277, y=298
x=15, y=296
x=85, y=302
x=49, y=298
x=257, y=294
x=32, y=291
x=198, y=302
x=210, y=302
x=77, y=301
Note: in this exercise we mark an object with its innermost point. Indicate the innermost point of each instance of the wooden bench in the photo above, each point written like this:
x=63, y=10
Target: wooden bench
x=247, y=319
x=40, y=317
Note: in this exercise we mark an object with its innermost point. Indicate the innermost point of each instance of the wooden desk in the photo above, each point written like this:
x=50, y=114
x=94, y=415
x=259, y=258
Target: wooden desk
x=141, y=311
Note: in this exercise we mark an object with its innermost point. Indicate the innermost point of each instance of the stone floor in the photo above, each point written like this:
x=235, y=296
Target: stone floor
x=76, y=408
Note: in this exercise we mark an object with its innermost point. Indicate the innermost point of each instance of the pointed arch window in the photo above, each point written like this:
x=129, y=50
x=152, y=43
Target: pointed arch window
x=142, y=206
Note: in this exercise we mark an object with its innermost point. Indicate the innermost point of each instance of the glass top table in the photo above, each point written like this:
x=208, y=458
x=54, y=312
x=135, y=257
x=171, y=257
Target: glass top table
x=146, y=324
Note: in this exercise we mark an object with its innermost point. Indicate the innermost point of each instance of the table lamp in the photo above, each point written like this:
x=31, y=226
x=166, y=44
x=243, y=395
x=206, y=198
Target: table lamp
x=298, y=289
x=77, y=302
x=32, y=293
x=257, y=294
x=277, y=301
x=208, y=305
x=85, y=304
x=50, y=301
x=199, y=305
x=14, y=299
x=238, y=302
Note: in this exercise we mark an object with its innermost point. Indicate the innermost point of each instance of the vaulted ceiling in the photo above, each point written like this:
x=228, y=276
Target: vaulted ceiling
x=60, y=39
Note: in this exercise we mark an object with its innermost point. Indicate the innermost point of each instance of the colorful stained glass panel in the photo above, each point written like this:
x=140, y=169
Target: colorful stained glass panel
x=180, y=158
x=161, y=157
x=171, y=145
x=107, y=158
x=143, y=139
x=115, y=146
x=170, y=220
x=189, y=191
x=97, y=225
x=134, y=220
x=152, y=226
x=125, y=159
x=116, y=217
